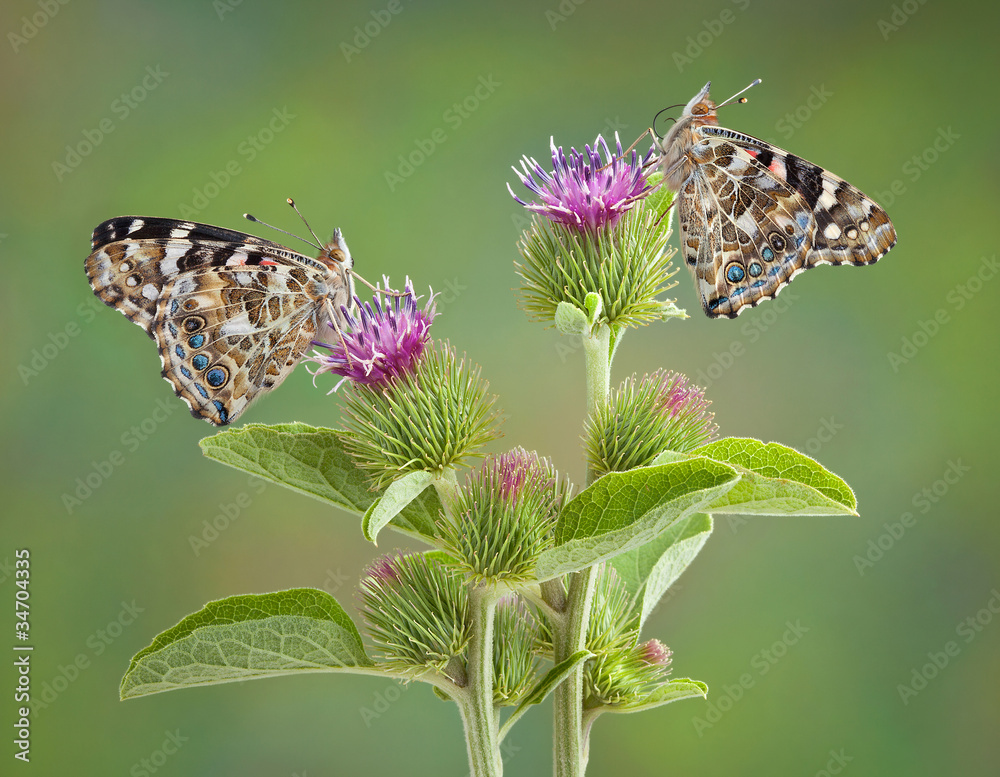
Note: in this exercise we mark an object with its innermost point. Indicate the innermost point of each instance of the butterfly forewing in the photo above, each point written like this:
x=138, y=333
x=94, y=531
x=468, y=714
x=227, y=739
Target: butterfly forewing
x=850, y=227
x=231, y=313
x=752, y=216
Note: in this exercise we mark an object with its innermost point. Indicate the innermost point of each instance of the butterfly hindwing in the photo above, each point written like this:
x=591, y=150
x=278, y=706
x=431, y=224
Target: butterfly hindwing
x=226, y=335
x=756, y=232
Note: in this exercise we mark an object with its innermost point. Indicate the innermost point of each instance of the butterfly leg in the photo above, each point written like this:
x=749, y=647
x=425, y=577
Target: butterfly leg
x=658, y=184
x=656, y=224
x=335, y=323
x=377, y=290
x=647, y=192
x=627, y=150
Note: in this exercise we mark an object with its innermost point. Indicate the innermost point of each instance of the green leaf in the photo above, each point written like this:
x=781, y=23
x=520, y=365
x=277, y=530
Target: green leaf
x=246, y=637
x=625, y=510
x=570, y=320
x=648, y=571
x=659, y=201
x=396, y=497
x=777, y=480
x=544, y=687
x=312, y=461
x=675, y=690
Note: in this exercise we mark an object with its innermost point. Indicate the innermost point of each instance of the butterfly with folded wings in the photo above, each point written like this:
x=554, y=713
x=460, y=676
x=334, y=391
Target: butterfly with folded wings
x=231, y=313
x=752, y=216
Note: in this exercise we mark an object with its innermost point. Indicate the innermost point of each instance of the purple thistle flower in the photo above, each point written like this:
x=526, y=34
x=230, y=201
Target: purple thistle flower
x=383, y=339
x=585, y=190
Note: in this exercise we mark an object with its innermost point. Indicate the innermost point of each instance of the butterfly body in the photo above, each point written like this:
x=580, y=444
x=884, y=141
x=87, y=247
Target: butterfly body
x=231, y=313
x=752, y=216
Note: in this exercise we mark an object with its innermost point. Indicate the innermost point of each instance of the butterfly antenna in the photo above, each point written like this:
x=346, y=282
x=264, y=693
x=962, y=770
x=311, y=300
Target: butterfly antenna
x=256, y=220
x=742, y=99
x=296, y=209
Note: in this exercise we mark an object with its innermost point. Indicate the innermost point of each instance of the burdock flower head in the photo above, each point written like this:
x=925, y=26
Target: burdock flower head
x=514, y=662
x=504, y=516
x=412, y=405
x=627, y=676
x=622, y=670
x=643, y=418
x=416, y=610
x=592, y=235
x=383, y=339
x=586, y=190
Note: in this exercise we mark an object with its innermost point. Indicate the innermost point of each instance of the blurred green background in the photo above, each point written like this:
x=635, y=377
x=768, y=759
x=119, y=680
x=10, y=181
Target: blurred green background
x=900, y=98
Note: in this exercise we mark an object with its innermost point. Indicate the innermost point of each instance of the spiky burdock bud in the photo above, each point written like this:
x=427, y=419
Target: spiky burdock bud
x=626, y=676
x=587, y=236
x=503, y=517
x=643, y=418
x=621, y=670
x=613, y=624
x=417, y=611
x=431, y=418
x=514, y=651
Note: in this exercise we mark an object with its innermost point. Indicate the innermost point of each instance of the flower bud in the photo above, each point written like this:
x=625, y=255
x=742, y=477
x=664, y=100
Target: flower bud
x=513, y=656
x=432, y=419
x=417, y=611
x=503, y=518
x=644, y=418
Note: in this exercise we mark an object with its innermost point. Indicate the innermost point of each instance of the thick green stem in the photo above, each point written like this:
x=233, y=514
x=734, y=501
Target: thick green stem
x=570, y=634
x=570, y=748
x=597, y=349
x=478, y=710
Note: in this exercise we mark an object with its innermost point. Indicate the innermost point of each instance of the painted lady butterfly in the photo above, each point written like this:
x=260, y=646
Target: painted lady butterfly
x=753, y=216
x=231, y=313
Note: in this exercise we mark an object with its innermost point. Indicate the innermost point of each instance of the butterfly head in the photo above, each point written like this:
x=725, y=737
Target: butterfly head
x=336, y=255
x=340, y=285
x=700, y=111
x=674, y=161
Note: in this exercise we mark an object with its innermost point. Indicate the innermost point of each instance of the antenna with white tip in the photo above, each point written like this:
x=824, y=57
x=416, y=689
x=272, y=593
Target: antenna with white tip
x=743, y=99
x=295, y=208
x=256, y=220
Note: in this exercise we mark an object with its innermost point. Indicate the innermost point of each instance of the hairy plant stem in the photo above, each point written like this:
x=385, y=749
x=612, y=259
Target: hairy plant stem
x=569, y=636
x=597, y=351
x=570, y=739
x=479, y=713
